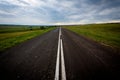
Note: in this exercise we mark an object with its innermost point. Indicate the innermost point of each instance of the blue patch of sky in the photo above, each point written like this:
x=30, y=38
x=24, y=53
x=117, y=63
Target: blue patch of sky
x=8, y=7
x=55, y=15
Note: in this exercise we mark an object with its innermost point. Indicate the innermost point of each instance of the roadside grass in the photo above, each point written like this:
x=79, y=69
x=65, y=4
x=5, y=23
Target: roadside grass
x=9, y=38
x=107, y=34
x=10, y=29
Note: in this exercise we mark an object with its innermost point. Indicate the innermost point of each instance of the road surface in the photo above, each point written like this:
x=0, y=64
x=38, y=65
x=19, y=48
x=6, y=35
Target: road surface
x=60, y=55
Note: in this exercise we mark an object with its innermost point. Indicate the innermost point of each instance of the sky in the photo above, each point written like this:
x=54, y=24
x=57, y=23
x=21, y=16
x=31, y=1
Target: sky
x=59, y=12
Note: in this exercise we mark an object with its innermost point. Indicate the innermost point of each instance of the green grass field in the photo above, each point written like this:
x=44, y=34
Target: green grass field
x=10, y=28
x=10, y=36
x=107, y=34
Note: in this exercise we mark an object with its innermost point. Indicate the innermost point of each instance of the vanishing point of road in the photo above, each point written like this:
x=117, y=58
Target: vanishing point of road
x=60, y=55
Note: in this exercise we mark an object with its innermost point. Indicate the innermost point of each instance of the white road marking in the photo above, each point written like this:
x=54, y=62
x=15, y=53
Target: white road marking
x=58, y=58
x=62, y=63
x=60, y=49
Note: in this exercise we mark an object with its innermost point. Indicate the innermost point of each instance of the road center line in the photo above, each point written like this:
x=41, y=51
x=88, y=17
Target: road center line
x=62, y=63
x=60, y=49
x=58, y=58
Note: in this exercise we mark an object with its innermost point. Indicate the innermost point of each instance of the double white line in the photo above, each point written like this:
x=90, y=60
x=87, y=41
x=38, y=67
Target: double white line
x=60, y=52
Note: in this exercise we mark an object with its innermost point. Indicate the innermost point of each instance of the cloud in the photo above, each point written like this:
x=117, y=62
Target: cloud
x=58, y=11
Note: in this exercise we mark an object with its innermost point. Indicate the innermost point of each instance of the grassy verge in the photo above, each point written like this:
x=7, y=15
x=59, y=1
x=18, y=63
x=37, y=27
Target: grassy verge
x=9, y=38
x=108, y=34
x=10, y=29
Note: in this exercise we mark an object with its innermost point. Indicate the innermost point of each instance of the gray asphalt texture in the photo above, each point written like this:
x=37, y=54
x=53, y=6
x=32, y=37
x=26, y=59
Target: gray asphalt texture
x=84, y=58
x=32, y=60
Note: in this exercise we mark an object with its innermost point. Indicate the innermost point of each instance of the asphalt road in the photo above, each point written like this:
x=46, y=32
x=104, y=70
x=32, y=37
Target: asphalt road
x=34, y=59
x=84, y=59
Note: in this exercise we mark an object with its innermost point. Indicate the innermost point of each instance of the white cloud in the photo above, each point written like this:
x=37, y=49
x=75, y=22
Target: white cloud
x=25, y=20
x=56, y=12
x=6, y=13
